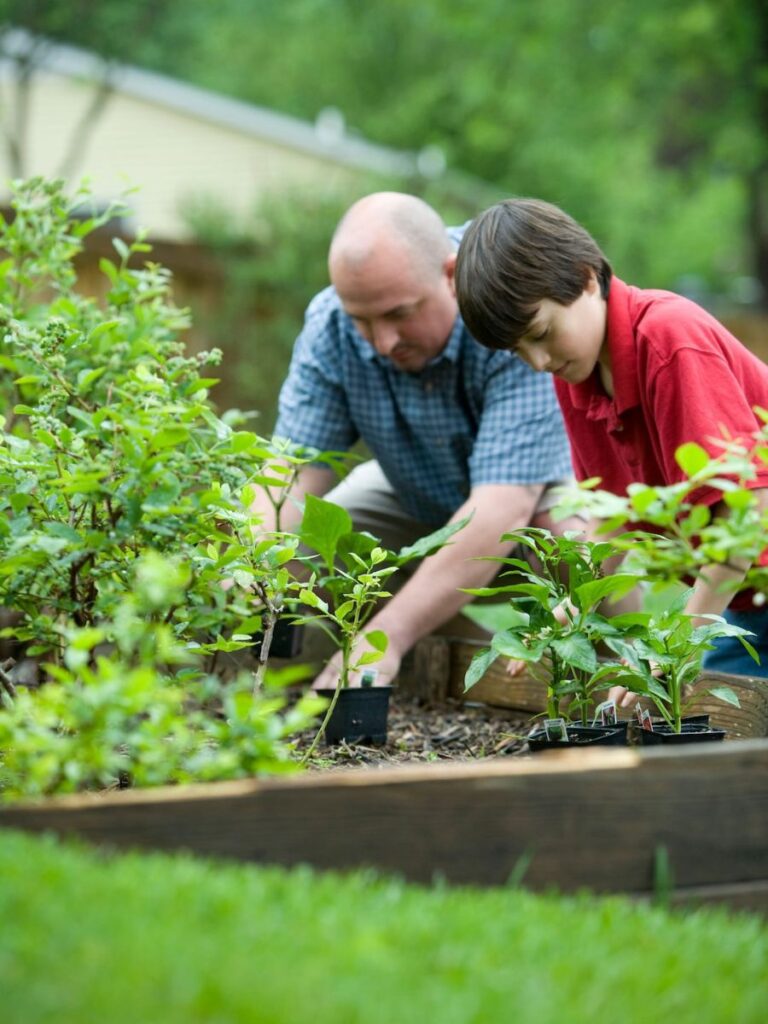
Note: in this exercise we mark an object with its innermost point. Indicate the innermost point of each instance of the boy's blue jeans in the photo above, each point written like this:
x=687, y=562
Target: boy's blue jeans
x=729, y=655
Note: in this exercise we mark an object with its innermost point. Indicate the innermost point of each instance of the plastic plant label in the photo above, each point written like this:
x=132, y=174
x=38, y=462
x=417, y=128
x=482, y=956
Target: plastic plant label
x=556, y=729
x=605, y=713
x=644, y=718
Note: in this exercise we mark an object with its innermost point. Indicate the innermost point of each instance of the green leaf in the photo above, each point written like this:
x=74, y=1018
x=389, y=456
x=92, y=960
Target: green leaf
x=576, y=651
x=102, y=328
x=739, y=499
x=369, y=658
x=310, y=597
x=510, y=645
x=432, y=542
x=121, y=248
x=169, y=437
x=691, y=458
x=241, y=441
x=496, y=617
x=87, y=377
x=344, y=609
x=589, y=595
x=45, y=437
x=322, y=526
x=479, y=665
x=725, y=693
x=200, y=385
x=378, y=638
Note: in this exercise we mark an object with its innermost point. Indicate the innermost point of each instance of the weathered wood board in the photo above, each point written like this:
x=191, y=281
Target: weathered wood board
x=593, y=819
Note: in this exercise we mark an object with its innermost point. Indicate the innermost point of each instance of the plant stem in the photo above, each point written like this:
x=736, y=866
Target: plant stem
x=341, y=682
x=270, y=620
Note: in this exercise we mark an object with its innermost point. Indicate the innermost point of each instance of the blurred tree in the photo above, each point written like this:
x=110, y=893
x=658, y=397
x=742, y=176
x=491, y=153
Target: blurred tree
x=647, y=123
x=704, y=96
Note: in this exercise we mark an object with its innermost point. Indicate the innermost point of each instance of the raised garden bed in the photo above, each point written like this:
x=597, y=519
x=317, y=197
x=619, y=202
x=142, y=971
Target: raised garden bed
x=447, y=801
x=601, y=819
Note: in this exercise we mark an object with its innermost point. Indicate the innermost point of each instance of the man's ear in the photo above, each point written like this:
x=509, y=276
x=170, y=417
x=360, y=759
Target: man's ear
x=449, y=269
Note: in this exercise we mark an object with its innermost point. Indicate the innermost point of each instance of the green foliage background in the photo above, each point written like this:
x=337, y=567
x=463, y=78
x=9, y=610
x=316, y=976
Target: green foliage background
x=649, y=124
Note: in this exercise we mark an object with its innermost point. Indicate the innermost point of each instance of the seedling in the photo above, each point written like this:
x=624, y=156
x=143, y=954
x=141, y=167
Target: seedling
x=661, y=655
x=553, y=620
x=350, y=570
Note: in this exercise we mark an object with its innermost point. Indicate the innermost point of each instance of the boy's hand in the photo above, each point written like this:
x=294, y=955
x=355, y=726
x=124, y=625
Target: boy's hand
x=622, y=697
x=563, y=613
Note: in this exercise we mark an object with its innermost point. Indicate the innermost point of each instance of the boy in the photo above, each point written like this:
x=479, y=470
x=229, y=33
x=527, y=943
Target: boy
x=637, y=372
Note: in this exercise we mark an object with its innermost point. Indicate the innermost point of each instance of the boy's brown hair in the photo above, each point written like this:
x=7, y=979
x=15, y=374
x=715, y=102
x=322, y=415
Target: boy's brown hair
x=513, y=256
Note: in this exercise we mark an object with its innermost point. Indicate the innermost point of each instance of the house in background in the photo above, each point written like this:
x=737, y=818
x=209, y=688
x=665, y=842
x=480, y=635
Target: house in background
x=173, y=141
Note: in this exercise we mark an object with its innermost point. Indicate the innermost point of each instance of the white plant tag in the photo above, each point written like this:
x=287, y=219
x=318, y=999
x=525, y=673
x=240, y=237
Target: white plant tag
x=556, y=729
x=605, y=713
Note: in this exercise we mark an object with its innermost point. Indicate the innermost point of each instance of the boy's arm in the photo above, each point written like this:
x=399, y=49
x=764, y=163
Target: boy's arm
x=433, y=594
x=708, y=597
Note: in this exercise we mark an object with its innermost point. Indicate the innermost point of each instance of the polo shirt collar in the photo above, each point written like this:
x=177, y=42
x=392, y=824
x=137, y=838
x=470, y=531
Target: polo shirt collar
x=622, y=346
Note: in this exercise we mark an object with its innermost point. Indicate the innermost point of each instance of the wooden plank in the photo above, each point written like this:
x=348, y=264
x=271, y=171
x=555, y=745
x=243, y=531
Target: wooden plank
x=590, y=819
x=426, y=670
x=751, y=896
x=497, y=687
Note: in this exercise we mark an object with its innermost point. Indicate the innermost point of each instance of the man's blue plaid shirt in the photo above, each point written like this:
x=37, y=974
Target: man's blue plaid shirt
x=471, y=416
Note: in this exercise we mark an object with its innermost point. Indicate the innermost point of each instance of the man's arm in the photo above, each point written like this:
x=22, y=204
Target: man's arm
x=432, y=596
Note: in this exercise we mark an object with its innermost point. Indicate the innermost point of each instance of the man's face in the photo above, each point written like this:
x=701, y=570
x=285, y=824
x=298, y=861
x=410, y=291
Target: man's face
x=566, y=341
x=405, y=315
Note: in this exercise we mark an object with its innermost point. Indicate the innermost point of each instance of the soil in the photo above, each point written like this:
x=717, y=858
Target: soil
x=423, y=733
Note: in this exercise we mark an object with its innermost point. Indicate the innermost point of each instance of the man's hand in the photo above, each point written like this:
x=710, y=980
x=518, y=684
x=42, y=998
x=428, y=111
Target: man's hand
x=386, y=668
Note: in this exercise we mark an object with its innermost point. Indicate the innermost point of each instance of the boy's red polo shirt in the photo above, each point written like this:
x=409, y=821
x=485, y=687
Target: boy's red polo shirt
x=678, y=376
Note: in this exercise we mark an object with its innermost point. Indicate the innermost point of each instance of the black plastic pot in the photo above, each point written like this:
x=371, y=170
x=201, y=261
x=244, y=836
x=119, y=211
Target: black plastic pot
x=287, y=638
x=580, y=736
x=360, y=715
x=618, y=732
x=690, y=732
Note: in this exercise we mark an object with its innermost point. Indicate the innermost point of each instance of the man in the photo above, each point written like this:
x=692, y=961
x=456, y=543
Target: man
x=454, y=429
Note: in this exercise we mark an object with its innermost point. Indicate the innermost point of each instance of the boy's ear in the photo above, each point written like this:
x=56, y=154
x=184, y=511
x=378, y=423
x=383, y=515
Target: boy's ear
x=593, y=284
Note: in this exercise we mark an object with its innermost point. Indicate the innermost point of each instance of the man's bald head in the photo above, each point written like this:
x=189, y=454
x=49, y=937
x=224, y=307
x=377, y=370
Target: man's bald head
x=390, y=224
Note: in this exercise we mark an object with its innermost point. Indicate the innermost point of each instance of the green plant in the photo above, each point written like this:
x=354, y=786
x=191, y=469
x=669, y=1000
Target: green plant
x=553, y=615
x=129, y=705
x=112, y=447
x=661, y=655
x=680, y=537
x=348, y=583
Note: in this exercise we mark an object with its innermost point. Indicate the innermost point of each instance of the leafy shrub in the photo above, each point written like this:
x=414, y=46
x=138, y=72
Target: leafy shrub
x=113, y=447
x=139, y=711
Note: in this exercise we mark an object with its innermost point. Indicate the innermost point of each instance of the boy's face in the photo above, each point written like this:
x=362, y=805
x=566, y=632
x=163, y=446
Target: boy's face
x=567, y=341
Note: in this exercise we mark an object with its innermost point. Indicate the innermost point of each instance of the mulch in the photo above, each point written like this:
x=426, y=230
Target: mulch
x=419, y=732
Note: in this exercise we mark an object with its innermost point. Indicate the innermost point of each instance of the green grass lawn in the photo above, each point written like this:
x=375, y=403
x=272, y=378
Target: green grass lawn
x=88, y=937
